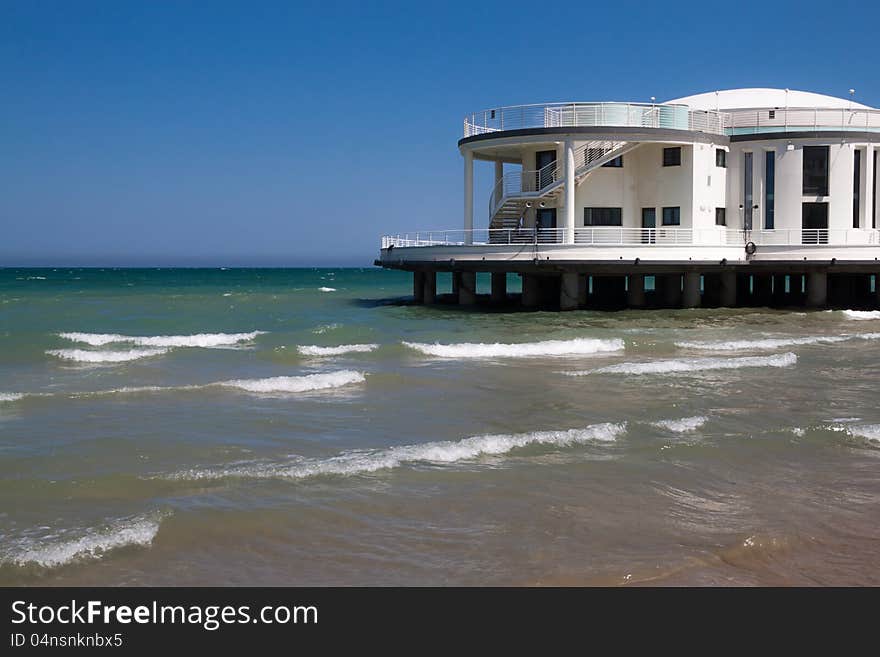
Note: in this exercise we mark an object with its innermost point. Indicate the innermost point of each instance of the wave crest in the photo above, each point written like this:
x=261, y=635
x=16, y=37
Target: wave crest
x=85, y=356
x=196, y=340
x=10, y=396
x=367, y=461
x=683, y=425
x=306, y=383
x=314, y=350
x=578, y=346
x=862, y=314
x=692, y=365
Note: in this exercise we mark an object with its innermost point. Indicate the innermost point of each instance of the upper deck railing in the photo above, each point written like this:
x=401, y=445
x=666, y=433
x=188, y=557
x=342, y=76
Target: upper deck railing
x=566, y=115
x=675, y=117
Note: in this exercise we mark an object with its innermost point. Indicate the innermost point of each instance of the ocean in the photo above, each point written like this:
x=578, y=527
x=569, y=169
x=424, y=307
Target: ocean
x=310, y=427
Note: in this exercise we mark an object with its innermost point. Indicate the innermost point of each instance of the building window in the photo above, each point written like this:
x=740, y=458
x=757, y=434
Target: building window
x=748, y=189
x=874, y=196
x=769, y=190
x=546, y=217
x=603, y=217
x=721, y=158
x=616, y=163
x=857, y=182
x=672, y=157
x=720, y=216
x=816, y=170
x=815, y=223
x=672, y=216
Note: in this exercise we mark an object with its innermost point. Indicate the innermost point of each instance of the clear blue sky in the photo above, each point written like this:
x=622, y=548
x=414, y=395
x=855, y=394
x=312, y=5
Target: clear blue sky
x=295, y=133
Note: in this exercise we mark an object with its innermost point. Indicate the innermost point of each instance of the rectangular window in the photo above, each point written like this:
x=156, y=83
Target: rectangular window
x=720, y=216
x=603, y=217
x=672, y=216
x=546, y=217
x=857, y=183
x=616, y=163
x=815, y=223
x=720, y=158
x=770, y=190
x=544, y=170
x=672, y=157
x=748, y=197
x=816, y=170
x=874, y=196
x=649, y=223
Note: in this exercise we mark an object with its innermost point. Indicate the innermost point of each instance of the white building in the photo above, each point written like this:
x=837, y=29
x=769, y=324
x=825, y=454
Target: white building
x=749, y=196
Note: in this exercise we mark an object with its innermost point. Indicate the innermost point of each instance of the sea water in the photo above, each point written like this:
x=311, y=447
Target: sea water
x=310, y=426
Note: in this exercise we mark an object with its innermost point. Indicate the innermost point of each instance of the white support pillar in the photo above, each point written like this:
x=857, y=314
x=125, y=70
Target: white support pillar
x=468, y=197
x=499, y=171
x=568, y=222
x=867, y=191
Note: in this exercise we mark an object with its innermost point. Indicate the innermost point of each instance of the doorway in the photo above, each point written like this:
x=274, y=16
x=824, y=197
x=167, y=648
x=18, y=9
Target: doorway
x=815, y=223
x=649, y=223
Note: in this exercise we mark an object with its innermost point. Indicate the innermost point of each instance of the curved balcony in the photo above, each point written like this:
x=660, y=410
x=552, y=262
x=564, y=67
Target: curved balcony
x=793, y=119
x=567, y=115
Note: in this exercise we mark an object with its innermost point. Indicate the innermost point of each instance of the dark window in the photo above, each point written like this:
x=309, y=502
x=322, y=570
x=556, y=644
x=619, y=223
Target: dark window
x=857, y=182
x=616, y=163
x=772, y=114
x=649, y=221
x=720, y=216
x=546, y=217
x=672, y=157
x=544, y=173
x=770, y=190
x=720, y=158
x=672, y=216
x=603, y=217
x=874, y=196
x=816, y=170
x=748, y=189
x=815, y=223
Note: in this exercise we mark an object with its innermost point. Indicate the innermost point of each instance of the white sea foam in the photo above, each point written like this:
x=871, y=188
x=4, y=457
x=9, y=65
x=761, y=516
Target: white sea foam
x=684, y=425
x=196, y=340
x=313, y=350
x=869, y=432
x=10, y=396
x=692, y=365
x=366, y=461
x=327, y=289
x=306, y=383
x=772, y=343
x=86, y=544
x=862, y=314
x=85, y=356
x=325, y=327
x=576, y=347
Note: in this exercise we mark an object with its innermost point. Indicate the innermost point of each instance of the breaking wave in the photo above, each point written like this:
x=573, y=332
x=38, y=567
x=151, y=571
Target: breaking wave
x=868, y=432
x=312, y=350
x=10, y=396
x=84, y=356
x=63, y=548
x=196, y=340
x=862, y=314
x=773, y=343
x=684, y=425
x=367, y=461
x=327, y=289
x=692, y=365
x=579, y=346
x=306, y=383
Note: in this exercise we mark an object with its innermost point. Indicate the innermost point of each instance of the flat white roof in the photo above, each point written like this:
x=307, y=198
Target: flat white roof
x=733, y=99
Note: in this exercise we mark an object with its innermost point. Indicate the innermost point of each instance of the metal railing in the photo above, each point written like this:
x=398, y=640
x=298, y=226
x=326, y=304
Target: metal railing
x=561, y=115
x=792, y=119
x=619, y=236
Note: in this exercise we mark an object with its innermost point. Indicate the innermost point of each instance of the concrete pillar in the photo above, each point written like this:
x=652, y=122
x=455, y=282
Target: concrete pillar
x=780, y=297
x=530, y=290
x=568, y=222
x=635, y=294
x=671, y=284
x=499, y=287
x=456, y=284
x=817, y=289
x=419, y=286
x=429, y=296
x=728, y=289
x=866, y=193
x=468, y=197
x=499, y=171
x=568, y=291
x=583, y=290
x=467, y=288
x=691, y=296
x=877, y=290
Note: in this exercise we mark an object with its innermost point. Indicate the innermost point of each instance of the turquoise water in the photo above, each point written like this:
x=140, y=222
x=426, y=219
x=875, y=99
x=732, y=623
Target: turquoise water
x=311, y=427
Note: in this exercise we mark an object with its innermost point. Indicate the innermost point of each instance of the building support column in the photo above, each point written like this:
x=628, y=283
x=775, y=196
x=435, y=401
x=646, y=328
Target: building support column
x=691, y=298
x=817, y=289
x=763, y=289
x=419, y=286
x=499, y=287
x=530, y=291
x=671, y=290
x=867, y=191
x=467, y=288
x=728, y=289
x=468, y=197
x=583, y=290
x=568, y=291
x=429, y=295
x=568, y=223
x=635, y=293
